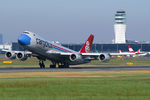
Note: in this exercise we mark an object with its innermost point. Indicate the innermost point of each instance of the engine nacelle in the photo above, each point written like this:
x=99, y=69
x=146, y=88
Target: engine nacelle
x=104, y=57
x=74, y=57
x=10, y=55
x=21, y=56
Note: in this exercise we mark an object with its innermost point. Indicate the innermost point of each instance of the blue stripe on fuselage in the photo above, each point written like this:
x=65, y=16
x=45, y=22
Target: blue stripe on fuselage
x=59, y=49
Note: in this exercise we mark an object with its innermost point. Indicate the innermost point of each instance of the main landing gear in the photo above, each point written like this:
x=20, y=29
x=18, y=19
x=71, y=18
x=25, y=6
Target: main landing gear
x=60, y=64
x=41, y=63
x=63, y=65
x=54, y=63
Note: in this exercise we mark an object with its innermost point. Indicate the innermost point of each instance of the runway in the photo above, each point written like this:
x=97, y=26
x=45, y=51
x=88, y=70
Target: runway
x=30, y=69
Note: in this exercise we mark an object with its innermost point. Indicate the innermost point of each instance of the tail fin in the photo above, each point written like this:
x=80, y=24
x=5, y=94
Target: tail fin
x=88, y=45
x=120, y=51
x=97, y=51
x=139, y=51
x=130, y=49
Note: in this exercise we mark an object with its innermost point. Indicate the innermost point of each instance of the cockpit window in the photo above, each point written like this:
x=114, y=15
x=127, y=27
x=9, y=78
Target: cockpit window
x=26, y=32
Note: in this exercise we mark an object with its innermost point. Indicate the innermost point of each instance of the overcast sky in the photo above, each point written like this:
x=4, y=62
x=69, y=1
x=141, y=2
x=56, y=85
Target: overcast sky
x=73, y=20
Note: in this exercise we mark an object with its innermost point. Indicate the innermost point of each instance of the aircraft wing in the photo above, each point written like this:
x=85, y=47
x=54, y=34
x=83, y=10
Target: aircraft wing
x=93, y=55
x=58, y=53
x=104, y=57
x=110, y=54
x=6, y=50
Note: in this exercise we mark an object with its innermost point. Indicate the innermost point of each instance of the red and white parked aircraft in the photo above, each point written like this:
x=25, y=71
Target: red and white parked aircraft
x=133, y=53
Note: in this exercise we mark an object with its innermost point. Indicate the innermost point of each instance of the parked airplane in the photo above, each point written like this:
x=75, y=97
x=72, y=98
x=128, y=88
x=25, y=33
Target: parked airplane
x=138, y=52
x=57, y=54
x=132, y=51
x=128, y=54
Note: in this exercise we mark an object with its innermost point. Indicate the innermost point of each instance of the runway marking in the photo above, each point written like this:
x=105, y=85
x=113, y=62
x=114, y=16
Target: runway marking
x=7, y=62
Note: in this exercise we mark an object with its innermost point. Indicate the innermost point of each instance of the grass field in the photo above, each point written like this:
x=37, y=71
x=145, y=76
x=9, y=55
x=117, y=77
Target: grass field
x=92, y=85
x=95, y=85
x=33, y=62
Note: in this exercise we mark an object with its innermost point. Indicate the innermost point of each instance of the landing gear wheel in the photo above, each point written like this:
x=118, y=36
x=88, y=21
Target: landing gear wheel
x=60, y=66
x=65, y=65
x=52, y=66
x=42, y=65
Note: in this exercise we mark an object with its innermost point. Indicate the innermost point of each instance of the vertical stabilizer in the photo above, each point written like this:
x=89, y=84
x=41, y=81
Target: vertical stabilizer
x=130, y=49
x=139, y=51
x=88, y=45
x=120, y=51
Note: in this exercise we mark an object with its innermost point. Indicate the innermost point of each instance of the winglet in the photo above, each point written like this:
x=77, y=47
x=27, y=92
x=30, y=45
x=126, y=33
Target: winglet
x=130, y=49
x=88, y=45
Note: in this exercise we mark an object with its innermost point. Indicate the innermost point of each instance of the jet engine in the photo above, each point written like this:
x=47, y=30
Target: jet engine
x=104, y=57
x=22, y=56
x=10, y=55
x=74, y=57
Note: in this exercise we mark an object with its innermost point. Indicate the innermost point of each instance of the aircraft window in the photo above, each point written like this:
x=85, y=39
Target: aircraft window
x=26, y=32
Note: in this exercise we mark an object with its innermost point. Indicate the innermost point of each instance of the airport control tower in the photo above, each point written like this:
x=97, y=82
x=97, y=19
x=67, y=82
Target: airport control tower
x=120, y=27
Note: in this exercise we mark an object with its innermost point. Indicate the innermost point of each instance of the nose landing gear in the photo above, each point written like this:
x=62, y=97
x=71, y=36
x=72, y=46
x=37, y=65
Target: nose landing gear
x=41, y=63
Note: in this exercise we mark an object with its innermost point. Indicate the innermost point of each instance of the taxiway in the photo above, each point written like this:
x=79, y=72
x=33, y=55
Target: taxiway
x=30, y=69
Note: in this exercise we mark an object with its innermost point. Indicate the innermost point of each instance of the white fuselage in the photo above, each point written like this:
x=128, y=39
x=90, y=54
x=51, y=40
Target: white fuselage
x=49, y=50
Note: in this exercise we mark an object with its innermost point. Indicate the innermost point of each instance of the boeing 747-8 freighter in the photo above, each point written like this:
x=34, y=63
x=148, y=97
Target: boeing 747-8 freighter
x=36, y=46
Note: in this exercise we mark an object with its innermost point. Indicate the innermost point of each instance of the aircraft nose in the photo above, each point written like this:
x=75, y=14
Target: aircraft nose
x=24, y=39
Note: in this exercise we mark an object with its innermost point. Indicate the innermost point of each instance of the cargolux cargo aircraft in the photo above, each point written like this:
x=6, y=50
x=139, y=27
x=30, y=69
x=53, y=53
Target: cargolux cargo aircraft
x=36, y=46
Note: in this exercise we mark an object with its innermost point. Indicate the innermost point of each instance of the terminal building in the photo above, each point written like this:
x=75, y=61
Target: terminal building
x=111, y=47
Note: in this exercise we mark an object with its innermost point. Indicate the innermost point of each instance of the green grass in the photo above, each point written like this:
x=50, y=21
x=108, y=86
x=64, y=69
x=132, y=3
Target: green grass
x=33, y=62
x=30, y=62
x=120, y=87
x=126, y=86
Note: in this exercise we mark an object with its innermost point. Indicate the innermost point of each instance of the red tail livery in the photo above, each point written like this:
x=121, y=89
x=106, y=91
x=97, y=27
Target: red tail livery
x=88, y=45
x=130, y=49
x=120, y=51
x=139, y=51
